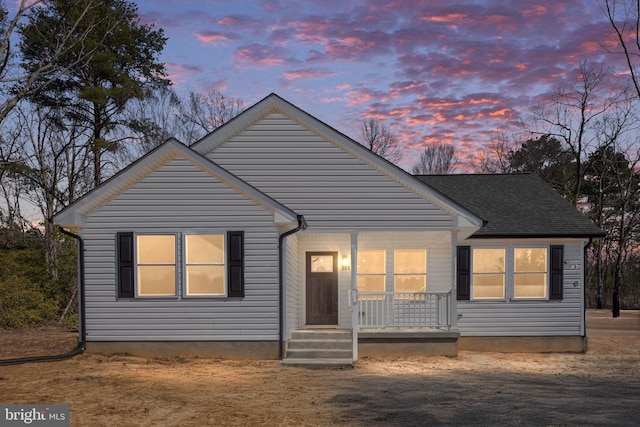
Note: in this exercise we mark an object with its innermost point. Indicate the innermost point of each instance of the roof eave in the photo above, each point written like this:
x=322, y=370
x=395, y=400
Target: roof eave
x=536, y=236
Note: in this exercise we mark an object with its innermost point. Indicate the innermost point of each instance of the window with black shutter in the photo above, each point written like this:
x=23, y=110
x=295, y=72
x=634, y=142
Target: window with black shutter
x=206, y=260
x=463, y=273
x=235, y=267
x=124, y=257
x=557, y=272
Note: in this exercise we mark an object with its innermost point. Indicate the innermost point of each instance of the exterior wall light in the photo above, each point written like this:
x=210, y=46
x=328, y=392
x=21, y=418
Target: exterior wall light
x=344, y=262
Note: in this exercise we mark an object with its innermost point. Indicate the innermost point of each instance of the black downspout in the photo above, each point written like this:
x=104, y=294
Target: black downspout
x=81, y=293
x=301, y=226
x=82, y=344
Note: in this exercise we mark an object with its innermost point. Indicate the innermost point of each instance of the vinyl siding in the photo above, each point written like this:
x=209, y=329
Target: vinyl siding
x=332, y=188
x=530, y=317
x=179, y=197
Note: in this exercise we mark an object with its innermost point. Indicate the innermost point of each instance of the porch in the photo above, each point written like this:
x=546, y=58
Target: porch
x=403, y=324
x=385, y=324
x=407, y=310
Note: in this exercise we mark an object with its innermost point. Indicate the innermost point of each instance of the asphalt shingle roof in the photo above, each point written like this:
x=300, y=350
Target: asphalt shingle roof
x=519, y=205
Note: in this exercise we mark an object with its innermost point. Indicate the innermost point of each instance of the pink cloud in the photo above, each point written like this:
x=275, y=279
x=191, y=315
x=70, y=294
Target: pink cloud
x=215, y=37
x=307, y=73
x=261, y=54
x=180, y=73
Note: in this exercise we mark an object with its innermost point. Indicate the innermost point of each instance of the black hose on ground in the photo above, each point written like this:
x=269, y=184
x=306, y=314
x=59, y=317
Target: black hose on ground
x=82, y=345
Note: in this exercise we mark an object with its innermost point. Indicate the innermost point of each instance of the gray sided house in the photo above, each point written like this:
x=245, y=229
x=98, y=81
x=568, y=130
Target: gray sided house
x=277, y=236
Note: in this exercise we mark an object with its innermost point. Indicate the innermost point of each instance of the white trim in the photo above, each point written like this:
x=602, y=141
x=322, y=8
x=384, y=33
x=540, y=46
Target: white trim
x=509, y=272
x=225, y=287
x=177, y=260
x=354, y=296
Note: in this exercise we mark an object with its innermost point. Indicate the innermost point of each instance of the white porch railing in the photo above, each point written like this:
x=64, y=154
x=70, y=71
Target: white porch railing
x=403, y=309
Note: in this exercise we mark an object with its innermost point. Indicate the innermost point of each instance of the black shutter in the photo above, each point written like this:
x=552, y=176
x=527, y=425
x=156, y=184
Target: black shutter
x=463, y=273
x=235, y=267
x=557, y=270
x=124, y=256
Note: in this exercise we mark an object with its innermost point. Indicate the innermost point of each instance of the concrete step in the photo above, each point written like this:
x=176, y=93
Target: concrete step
x=319, y=348
x=320, y=344
x=318, y=362
x=321, y=334
x=318, y=353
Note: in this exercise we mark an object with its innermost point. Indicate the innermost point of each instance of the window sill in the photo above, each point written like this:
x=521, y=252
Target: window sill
x=204, y=297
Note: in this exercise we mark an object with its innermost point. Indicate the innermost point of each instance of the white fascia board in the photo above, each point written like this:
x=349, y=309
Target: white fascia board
x=69, y=220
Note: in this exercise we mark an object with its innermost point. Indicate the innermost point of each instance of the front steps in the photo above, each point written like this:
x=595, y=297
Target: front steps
x=319, y=348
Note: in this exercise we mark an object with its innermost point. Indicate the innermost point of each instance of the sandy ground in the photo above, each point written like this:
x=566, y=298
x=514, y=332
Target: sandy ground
x=601, y=387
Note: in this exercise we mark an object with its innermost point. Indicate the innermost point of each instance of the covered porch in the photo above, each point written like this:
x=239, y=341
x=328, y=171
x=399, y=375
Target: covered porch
x=403, y=323
x=407, y=310
x=412, y=309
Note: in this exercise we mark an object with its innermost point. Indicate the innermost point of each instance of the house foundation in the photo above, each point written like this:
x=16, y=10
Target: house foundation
x=238, y=350
x=543, y=344
x=407, y=343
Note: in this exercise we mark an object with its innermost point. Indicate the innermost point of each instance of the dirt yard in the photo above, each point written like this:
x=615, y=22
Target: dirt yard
x=601, y=387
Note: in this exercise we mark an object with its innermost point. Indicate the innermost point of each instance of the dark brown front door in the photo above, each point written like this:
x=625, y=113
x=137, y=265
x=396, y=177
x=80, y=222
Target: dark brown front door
x=322, y=288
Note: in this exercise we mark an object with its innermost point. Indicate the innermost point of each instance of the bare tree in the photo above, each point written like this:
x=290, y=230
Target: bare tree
x=495, y=158
x=50, y=166
x=612, y=178
x=153, y=120
x=200, y=114
x=11, y=186
x=624, y=17
x=163, y=114
x=437, y=159
x=571, y=112
x=378, y=138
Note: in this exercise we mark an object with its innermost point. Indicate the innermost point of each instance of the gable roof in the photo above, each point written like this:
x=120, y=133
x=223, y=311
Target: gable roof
x=72, y=216
x=275, y=104
x=518, y=205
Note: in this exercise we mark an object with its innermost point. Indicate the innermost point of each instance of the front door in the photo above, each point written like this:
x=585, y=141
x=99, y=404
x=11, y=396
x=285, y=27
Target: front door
x=322, y=288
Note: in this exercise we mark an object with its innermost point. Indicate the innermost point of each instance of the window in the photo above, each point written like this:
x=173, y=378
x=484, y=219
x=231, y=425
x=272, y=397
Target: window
x=156, y=265
x=410, y=270
x=371, y=270
x=322, y=264
x=488, y=273
x=208, y=264
x=204, y=262
x=530, y=273
x=513, y=273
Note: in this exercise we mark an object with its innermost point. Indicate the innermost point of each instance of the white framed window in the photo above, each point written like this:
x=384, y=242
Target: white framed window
x=410, y=270
x=156, y=265
x=510, y=273
x=372, y=270
x=204, y=256
x=530, y=273
x=488, y=273
x=180, y=264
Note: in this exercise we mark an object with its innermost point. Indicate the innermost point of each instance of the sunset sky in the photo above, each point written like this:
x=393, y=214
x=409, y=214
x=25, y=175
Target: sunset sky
x=450, y=71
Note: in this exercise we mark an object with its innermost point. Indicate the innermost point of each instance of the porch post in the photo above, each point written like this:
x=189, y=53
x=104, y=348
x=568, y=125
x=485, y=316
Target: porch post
x=354, y=293
x=453, y=303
